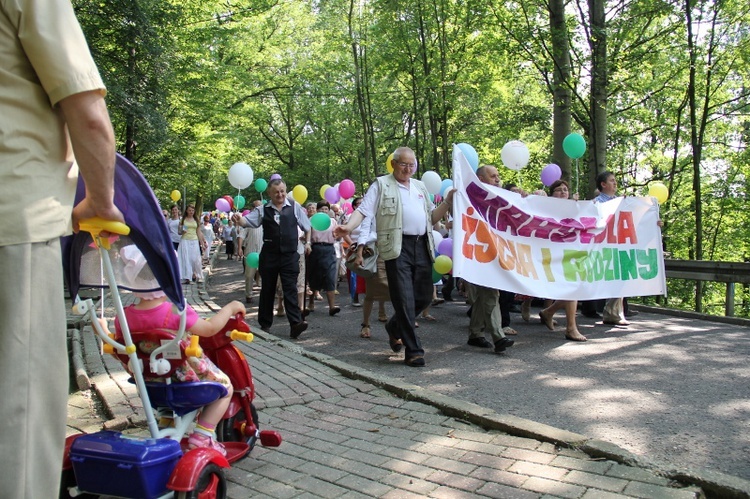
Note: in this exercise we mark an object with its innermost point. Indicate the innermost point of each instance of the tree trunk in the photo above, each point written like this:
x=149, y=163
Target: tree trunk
x=598, y=100
x=561, y=90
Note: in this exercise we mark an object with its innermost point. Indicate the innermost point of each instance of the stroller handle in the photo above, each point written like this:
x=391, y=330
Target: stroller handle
x=96, y=225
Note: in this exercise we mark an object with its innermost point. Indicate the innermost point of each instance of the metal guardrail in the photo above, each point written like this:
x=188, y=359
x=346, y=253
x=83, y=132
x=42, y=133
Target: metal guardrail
x=706, y=270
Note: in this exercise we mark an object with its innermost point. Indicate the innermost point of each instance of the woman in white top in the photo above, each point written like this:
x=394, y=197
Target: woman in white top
x=189, y=253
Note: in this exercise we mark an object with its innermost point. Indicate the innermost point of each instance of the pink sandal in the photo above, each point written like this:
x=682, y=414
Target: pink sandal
x=199, y=440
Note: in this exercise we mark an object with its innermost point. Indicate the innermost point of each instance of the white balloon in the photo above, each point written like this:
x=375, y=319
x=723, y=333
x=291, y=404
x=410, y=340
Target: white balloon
x=437, y=238
x=432, y=182
x=240, y=175
x=515, y=155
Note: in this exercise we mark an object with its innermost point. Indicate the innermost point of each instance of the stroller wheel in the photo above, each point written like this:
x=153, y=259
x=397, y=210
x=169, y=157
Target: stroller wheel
x=230, y=429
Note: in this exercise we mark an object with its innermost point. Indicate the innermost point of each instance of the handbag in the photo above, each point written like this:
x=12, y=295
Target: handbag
x=369, y=267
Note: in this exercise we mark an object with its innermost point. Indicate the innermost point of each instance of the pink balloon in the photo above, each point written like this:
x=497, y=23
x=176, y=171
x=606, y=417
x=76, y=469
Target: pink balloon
x=347, y=207
x=245, y=212
x=222, y=205
x=446, y=247
x=550, y=174
x=346, y=188
x=332, y=195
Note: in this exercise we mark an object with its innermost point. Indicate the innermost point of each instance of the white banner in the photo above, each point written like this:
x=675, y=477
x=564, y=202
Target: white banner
x=554, y=248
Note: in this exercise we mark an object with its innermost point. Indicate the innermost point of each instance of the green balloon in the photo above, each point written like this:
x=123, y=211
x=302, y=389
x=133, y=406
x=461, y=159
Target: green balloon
x=574, y=145
x=261, y=184
x=239, y=202
x=320, y=222
x=224, y=221
x=436, y=276
x=252, y=260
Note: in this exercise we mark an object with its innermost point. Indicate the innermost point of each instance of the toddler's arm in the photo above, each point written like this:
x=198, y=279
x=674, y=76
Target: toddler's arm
x=209, y=327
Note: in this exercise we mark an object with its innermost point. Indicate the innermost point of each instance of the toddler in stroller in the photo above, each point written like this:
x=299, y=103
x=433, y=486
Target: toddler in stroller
x=154, y=312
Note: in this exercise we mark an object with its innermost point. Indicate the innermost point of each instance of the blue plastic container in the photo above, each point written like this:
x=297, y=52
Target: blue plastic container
x=109, y=463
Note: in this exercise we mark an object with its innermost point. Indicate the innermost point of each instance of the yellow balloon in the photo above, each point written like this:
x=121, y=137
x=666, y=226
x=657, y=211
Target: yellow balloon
x=659, y=191
x=323, y=191
x=389, y=164
x=299, y=193
x=443, y=264
x=175, y=195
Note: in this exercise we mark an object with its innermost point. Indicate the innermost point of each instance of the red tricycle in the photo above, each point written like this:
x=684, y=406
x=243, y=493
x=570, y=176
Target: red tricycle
x=160, y=464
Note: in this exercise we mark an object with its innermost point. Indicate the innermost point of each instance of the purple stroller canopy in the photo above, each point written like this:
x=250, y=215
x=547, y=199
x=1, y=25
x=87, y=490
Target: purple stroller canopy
x=148, y=231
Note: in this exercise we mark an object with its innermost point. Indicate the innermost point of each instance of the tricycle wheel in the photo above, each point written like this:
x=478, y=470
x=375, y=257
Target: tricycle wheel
x=211, y=485
x=229, y=430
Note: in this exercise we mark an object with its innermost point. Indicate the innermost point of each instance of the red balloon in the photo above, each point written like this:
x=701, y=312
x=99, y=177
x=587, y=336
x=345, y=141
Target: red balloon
x=230, y=201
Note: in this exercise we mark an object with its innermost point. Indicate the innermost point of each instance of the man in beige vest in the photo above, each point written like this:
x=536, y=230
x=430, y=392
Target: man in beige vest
x=404, y=216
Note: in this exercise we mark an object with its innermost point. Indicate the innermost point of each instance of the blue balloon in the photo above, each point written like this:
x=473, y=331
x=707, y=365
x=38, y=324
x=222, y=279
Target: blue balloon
x=470, y=154
x=445, y=186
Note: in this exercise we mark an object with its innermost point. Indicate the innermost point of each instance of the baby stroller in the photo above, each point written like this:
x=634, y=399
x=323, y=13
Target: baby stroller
x=158, y=465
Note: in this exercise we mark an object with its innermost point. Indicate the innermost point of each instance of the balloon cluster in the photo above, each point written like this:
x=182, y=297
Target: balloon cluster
x=444, y=260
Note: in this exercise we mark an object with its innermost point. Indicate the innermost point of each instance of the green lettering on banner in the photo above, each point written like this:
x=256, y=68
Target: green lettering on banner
x=609, y=265
x=628, y=269
x=597, y=265
x=574, y=266
x=648, y=263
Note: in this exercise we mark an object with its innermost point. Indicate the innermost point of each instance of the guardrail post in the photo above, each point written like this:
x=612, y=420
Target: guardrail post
x=729, y=306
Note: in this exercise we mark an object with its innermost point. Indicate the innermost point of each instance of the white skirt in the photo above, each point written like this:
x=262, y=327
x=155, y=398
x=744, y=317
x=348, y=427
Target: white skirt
x=189, y=256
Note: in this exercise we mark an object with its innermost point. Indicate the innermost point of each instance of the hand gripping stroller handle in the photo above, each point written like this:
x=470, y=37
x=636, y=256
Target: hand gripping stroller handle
x=96, y=225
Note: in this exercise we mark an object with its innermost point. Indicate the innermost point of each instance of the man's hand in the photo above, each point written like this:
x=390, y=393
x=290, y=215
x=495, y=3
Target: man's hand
x=449, y=196
x=341, y=231
x=87, y=209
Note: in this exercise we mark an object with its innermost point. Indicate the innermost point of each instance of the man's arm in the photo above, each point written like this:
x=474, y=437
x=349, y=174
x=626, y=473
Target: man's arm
x=93, y=143
x=346, y=229
x=443, y=209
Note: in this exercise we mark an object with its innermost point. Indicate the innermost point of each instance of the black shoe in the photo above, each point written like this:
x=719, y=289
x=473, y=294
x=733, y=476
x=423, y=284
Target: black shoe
x=249, y=299
x=265, y=329
x=334, y=311
x=592, y=315
x=306, y=312
x=502, y=344
x=479, y=342
x=296, y=329
x=395, y=342
x=416, y=361
x=447, y=298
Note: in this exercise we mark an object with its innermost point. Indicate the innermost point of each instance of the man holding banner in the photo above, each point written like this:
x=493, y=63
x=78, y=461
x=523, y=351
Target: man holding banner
x=485, y=307
x=404, y=216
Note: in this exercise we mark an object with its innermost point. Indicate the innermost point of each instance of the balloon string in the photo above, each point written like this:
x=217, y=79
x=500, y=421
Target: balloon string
x=576, y=175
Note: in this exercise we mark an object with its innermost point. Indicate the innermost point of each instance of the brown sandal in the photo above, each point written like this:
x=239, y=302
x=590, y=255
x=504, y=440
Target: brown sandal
x=365, y=332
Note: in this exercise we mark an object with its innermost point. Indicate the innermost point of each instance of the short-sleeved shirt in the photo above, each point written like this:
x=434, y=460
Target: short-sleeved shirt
x=44, y=58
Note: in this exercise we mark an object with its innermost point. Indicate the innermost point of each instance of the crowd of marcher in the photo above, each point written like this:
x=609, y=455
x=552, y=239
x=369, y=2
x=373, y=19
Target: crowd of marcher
x=298, y=265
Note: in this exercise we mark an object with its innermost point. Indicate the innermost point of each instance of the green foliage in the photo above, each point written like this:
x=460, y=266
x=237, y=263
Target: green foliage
x=195, y=86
